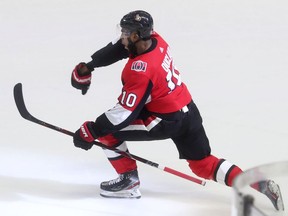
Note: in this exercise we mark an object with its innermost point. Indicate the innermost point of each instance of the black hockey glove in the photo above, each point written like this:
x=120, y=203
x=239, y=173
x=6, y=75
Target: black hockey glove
x=83, y=137
x=81, y=77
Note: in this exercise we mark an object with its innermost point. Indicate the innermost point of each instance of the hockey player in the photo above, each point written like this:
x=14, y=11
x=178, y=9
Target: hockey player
x=154, y=104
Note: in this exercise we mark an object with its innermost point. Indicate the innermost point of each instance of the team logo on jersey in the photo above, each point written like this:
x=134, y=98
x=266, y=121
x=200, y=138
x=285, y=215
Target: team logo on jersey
x=139, y=66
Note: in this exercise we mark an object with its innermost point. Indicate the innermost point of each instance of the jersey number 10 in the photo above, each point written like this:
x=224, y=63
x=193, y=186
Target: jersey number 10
x=128, y=100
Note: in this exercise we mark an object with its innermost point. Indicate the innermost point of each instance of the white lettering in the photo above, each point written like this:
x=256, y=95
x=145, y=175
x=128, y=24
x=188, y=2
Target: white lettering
x=167, y=61
x=84, y=131
x=168, y=66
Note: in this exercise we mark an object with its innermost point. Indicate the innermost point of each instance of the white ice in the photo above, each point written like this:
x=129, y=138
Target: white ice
x=233, y=56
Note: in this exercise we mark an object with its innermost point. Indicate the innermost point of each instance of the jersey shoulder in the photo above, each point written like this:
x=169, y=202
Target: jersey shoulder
x=148, y=63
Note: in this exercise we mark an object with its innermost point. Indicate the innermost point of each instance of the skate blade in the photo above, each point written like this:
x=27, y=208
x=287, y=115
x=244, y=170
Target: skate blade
x=130, y=194
x=274, y=188
x=280, y=203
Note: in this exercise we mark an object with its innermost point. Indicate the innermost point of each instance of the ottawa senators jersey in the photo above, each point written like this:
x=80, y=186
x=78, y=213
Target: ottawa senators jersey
x=150, y=80
x=156, y=67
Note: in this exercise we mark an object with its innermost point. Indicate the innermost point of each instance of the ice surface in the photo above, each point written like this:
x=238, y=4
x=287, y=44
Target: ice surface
x=233, y=56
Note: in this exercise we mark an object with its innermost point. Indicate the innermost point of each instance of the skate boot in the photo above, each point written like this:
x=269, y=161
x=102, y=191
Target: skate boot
x=272, y=191
x=125, y=186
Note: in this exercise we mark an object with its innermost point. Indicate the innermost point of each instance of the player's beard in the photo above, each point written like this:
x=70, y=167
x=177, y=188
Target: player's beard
x=132, y=48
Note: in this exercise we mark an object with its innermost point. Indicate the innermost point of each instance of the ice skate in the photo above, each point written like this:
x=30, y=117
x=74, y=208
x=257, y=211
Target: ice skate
x=272, y=191
x=125, y=186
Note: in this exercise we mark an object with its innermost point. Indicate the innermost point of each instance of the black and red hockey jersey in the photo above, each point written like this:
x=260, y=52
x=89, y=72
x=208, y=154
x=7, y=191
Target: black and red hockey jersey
x=150, y=80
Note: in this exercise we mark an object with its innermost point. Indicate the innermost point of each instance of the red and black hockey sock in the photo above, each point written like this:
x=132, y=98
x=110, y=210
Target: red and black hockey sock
x=120, y=163
x=216, y=169
x=123, y=164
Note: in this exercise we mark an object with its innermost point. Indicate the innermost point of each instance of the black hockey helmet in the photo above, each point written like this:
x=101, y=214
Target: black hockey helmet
x=139, y=21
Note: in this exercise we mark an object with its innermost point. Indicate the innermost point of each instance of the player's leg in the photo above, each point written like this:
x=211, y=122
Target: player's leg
x=194, y=146
x=213, y=168
x=224, y=172
x=127, y=183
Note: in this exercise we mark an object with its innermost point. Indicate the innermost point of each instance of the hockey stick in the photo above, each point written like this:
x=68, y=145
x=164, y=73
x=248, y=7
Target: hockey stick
x=19, y=100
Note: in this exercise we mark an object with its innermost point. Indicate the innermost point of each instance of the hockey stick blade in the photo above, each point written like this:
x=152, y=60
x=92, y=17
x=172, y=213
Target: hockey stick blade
x=19, y=100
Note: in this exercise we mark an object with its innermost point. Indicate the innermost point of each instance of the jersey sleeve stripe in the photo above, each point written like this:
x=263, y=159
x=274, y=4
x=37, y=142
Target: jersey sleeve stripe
x=118, y=114
x=143, y=126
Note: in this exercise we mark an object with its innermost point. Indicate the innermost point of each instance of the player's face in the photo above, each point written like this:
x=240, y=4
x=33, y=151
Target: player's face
x=125, y=35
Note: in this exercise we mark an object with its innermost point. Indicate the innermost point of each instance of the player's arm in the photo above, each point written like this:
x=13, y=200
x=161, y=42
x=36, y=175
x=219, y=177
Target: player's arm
x=109, y=54
x=81, y=75
x=131, y=101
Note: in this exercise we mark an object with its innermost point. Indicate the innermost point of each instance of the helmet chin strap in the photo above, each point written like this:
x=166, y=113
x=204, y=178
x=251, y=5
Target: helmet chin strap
x=132, y=47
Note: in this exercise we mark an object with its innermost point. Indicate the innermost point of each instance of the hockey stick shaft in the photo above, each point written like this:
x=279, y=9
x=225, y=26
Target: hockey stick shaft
x=19, y=100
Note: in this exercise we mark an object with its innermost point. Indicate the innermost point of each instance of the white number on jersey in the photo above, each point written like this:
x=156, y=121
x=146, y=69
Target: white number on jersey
x=172, y=72
x=128, y=100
